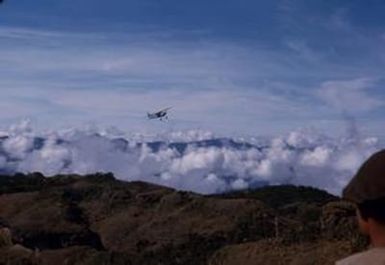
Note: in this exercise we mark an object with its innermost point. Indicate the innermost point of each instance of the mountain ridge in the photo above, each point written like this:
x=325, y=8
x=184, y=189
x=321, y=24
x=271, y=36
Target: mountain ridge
x=96, y=219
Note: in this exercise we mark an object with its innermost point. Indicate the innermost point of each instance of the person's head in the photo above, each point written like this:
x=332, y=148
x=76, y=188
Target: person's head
x=367, y=191
x=371, y=213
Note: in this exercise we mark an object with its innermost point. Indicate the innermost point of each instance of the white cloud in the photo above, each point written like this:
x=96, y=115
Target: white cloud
x=351, y=96
x=304, y=51
x=318, y=161
x=317, y=157
x=69, y=79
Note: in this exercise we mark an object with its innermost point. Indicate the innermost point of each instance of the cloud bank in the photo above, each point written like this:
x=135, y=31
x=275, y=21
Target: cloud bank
x=190, y=160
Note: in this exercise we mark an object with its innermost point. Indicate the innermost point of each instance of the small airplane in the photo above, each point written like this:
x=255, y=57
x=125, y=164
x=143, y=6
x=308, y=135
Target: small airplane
x=161, y=114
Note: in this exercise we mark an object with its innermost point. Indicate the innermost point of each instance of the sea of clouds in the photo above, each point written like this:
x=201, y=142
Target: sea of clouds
x=189, y=160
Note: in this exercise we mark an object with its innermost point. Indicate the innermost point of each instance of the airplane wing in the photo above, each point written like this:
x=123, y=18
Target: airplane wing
x=162, y=110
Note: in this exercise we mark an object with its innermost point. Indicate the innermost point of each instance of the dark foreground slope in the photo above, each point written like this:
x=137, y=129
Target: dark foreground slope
x=96, y=219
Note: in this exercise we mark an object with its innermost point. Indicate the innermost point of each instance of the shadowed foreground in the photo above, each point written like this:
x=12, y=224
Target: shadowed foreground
x=97, y=219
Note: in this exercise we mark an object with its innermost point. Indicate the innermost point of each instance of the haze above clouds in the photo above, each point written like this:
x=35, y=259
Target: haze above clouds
x=244, y=68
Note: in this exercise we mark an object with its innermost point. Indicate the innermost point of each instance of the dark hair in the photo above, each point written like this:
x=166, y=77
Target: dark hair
x=374, y=209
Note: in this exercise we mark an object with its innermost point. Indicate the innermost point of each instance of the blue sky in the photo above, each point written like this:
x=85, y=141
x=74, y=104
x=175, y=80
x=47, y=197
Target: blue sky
x=233, y=67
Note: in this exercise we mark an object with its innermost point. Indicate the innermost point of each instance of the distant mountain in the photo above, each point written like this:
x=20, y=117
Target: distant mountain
x=123, y=144
x=96, y=219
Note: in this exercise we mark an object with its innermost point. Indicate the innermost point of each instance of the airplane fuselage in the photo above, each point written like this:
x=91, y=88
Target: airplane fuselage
x=157, y=115
x=161, y=114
